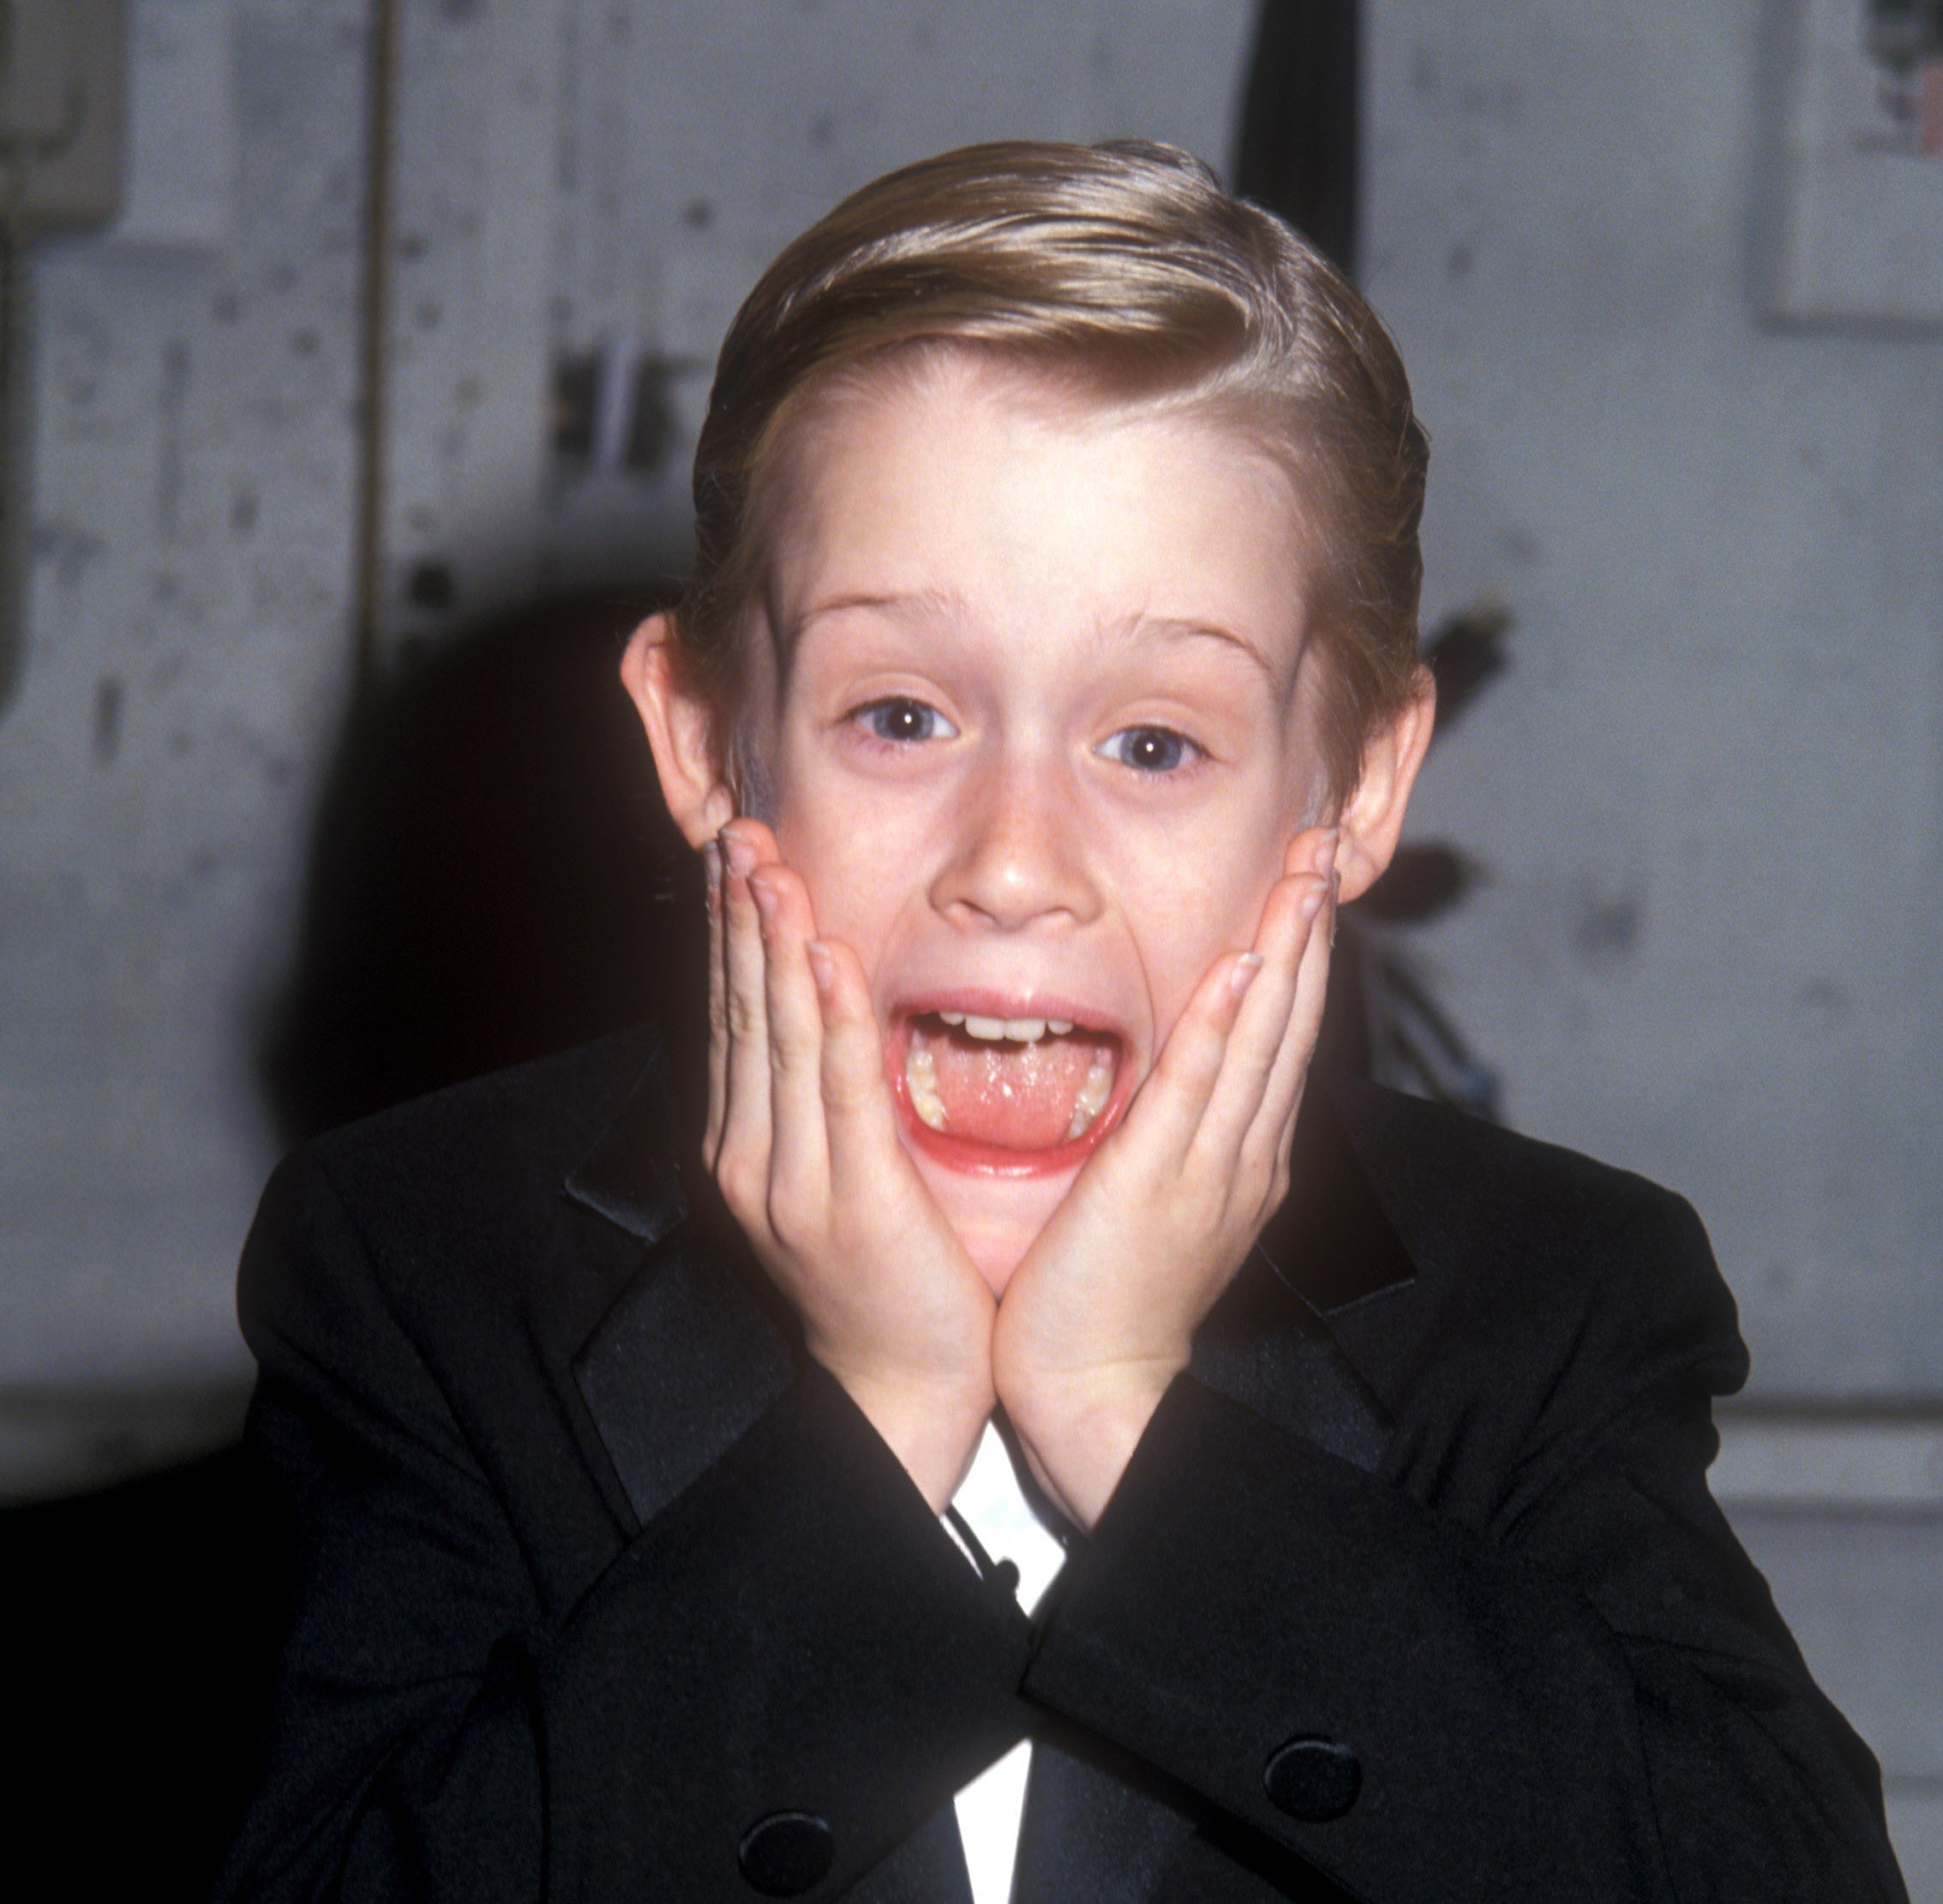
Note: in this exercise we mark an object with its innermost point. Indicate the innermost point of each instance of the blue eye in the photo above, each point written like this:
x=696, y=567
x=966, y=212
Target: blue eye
x=1150, y=749
x=900, y=719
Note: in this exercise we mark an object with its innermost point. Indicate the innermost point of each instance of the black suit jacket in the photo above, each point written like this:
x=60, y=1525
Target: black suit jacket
x=1414, y=1590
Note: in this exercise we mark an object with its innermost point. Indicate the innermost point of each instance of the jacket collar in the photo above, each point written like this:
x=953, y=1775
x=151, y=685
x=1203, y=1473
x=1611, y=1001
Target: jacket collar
x=633, y=1174
x=696, y=1345
x=1273, y=1341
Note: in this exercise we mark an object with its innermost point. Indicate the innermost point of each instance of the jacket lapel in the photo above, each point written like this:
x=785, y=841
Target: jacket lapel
x=1096, y=1826
x=688, y=1355
x=679, y=1368
x=1269, y=1343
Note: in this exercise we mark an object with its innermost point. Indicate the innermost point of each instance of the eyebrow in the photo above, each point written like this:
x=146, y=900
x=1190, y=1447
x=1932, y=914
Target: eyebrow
x=1174, y=628
x=933, y=602
x=943, y=604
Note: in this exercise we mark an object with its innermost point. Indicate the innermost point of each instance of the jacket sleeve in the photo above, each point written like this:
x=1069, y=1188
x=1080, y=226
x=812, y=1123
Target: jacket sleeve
x=1584, y=1694
x=793, y=1638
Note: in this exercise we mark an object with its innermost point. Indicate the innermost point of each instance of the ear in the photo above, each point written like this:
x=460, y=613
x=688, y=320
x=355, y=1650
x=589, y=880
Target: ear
x=1372, y=817
x=681, y=731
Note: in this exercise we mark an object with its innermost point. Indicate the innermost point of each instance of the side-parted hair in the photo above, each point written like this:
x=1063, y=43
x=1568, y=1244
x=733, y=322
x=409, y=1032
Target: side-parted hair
x=1126, y=268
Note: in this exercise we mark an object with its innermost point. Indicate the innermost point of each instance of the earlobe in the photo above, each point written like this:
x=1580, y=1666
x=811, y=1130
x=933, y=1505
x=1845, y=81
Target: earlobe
x=1372, y=816
x=680, y=726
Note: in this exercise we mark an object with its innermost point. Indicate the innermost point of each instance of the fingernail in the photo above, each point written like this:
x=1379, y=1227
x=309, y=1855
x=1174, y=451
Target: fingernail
x=823, y=967
x=1312, y=901
x=740, y=853
x=1243, y=975
x=1324, y=859
x=764, y=896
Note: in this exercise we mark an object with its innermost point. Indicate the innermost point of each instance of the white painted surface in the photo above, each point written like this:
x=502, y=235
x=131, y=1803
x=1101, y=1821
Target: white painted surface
x=185, y=669
x=1709, y=792
x=180, y=181
x=1888, y=1467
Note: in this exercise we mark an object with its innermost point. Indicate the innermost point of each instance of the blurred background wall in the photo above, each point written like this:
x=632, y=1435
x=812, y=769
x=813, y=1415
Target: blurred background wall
x=275, y=466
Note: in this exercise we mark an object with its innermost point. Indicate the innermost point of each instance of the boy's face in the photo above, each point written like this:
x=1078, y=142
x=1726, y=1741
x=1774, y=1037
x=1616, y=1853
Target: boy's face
x=1030, y=684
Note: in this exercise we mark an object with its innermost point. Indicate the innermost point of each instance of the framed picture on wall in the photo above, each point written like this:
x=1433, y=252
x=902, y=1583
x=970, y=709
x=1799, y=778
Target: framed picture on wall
x=1852, y=166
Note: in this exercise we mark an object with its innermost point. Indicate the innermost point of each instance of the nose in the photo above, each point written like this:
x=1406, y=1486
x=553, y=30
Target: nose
x=1018, y=859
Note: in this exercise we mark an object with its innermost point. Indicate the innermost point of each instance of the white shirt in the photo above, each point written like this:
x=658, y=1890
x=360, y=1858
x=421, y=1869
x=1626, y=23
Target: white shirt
x=1004, y=1522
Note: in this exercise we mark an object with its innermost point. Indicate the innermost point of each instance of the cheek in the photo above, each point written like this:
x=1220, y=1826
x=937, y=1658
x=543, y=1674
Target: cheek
x=1181, y=932
x=1189, y=900
x=1198, y=891
x=859, y=855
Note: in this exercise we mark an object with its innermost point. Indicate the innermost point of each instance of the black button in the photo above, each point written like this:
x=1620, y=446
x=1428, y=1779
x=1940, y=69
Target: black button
x=1314, y=1779
x=787, y=1853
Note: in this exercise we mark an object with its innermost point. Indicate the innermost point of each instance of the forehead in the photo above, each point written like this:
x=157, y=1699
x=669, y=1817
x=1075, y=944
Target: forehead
x=975, y=493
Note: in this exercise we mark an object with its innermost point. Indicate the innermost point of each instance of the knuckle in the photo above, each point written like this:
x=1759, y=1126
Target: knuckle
x=746, y=1015
x=744, y=1187
x=791, y=1215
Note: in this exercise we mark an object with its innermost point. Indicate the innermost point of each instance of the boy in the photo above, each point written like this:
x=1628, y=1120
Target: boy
x=953, y=1462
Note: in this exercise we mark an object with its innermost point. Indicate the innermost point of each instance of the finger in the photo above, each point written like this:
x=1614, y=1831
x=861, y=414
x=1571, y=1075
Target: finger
x=1276, y=1125
x=1259, y=1043
x=746, y=1124
x=799, y=1161
x=718, y=1010
x=760, y=841
x=859, y=1119
x=1256, y=1043
x=1167, y=1109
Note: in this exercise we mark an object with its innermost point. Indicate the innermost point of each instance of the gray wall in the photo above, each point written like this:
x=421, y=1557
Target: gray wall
x=195, y=381
x=1707, y=793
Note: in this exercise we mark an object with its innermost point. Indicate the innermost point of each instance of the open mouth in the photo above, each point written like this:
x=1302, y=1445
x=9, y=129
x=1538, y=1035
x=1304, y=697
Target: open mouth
x=1011, y=1096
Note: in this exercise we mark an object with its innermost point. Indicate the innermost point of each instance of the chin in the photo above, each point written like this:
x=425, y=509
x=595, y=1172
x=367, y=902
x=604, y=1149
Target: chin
x=997, y=1219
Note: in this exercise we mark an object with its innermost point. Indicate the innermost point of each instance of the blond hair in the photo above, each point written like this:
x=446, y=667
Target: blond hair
x=1126, y=266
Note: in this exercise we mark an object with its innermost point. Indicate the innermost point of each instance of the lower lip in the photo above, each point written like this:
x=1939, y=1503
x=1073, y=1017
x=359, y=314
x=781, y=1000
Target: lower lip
x=993, y=1160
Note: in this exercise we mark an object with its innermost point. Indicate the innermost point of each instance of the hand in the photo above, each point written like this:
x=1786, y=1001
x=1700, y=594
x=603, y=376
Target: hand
x=1100, y=1317
x=802, y=1139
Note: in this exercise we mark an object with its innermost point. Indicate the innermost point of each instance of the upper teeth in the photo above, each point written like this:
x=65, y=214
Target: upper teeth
x=1022, y=1030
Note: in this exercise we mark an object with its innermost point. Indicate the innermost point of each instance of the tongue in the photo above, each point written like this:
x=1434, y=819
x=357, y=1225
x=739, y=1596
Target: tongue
x=1020, y=1097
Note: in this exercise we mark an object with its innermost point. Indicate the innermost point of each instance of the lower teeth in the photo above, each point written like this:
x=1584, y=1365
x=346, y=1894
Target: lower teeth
x=1092, y=1096
x=920, y=1073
